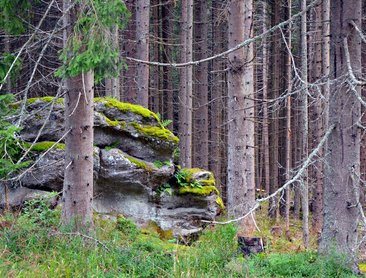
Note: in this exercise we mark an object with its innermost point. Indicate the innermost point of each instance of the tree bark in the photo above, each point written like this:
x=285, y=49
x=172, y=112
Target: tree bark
x=317, y=123
x=129, y=89
x=304, y=126
x=186, y=80
x=341, y=191
x=112, y=85
x=217, y=95
x=241, y=172
x=274, y=125
x=265, y=135
x=200, y=135
x=288, y=121
x=78, y=177
x=142, y=51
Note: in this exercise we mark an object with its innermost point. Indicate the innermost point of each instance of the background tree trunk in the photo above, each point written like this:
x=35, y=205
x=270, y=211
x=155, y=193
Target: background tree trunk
x=142, y=51
x=200, y=134
x=241, y=173
x=341, y=196
x=186, y=80
x=304, y=126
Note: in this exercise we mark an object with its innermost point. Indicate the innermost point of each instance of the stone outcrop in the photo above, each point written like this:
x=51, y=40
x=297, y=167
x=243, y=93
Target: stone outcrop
x=134, y=174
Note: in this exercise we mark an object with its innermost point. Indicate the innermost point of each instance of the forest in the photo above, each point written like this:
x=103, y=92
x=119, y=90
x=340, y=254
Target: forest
x=165, y=138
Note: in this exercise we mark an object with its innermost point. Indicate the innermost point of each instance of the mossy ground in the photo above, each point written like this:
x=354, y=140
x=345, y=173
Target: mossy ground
x=33, y=245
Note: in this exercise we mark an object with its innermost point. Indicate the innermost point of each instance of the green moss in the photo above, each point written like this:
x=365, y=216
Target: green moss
x=362, y=267
x=44, y=146
x=110, y=122
x=220, y=202
x=189, y=172
x=45, y=99
x=139, y=163
x=201, y=191
x=156, y=132
x=125, y=107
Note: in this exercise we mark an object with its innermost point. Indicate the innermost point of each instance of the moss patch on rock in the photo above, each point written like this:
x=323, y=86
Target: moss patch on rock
x=201, y=191
x=220, y=203
x=126, y=107
x=158, y=132
x=139, y=163
x=45, y=99
x=44, y=146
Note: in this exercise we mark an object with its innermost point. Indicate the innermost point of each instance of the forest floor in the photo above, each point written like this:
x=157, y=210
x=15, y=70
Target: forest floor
x=33, y=245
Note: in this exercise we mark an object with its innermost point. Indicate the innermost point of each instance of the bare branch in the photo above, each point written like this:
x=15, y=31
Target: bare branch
x=238, y=46
x=297, y=177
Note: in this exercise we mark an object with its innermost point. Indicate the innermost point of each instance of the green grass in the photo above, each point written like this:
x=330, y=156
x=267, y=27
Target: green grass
x=33, y=245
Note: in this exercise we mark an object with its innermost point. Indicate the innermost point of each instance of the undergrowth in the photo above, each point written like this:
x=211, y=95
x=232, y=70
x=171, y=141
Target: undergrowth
x=33, y=245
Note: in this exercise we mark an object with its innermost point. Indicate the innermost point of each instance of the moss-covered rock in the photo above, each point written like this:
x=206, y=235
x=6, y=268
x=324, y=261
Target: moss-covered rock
x=127, y=107
x=201, y=191
x=44, y=146
x=45, y=99
x=158, y=132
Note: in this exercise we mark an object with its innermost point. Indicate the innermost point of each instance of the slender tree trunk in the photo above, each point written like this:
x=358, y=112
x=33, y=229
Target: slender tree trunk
x=217, y=92
x=265, y=134
x=304, y=126
x=200, y=138
x=274, y=126
x=129, y=89
x=317, y=123
x=288, y=121
x=241, y=172
x=167, y=31
x=341, y=191
x=112, y=85
x=78, y=178
x=186, y=80
x=142, y=50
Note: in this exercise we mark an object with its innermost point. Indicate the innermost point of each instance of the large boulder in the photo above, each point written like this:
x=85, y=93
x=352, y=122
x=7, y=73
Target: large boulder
x=134, y=174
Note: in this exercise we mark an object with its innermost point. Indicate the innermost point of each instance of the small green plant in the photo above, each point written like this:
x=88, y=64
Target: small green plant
x=159, y=164
x=11, y=147
x=39, y=210
x=164, y=188
x=127, y=227
x=164, y=123
x=184, y=179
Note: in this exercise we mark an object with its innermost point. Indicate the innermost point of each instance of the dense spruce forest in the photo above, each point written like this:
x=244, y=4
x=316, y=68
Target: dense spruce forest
x=165, y=138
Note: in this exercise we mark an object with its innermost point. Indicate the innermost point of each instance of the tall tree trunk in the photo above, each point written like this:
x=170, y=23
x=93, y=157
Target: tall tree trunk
x=304, y=125
x=288, y=121
x=341, y=191
x=186, y=80
x=78, y=178
x=167, y=31
x=241, y=172
x=217, y=92
x=200, y=135
x=142, y=51
x=265, y=135
x=317, y=123
x=129, y=89
x=112, y=85
x=274, y=126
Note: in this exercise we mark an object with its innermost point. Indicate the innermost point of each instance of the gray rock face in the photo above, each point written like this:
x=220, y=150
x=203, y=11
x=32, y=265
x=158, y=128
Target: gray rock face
x=129, y=140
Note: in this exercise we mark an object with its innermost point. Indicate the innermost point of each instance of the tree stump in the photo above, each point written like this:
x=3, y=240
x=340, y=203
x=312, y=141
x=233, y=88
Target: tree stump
x=250, y=245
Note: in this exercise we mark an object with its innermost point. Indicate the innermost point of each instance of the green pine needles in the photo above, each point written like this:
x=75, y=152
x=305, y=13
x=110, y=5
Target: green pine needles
x=90, y=46
x=12, y=14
